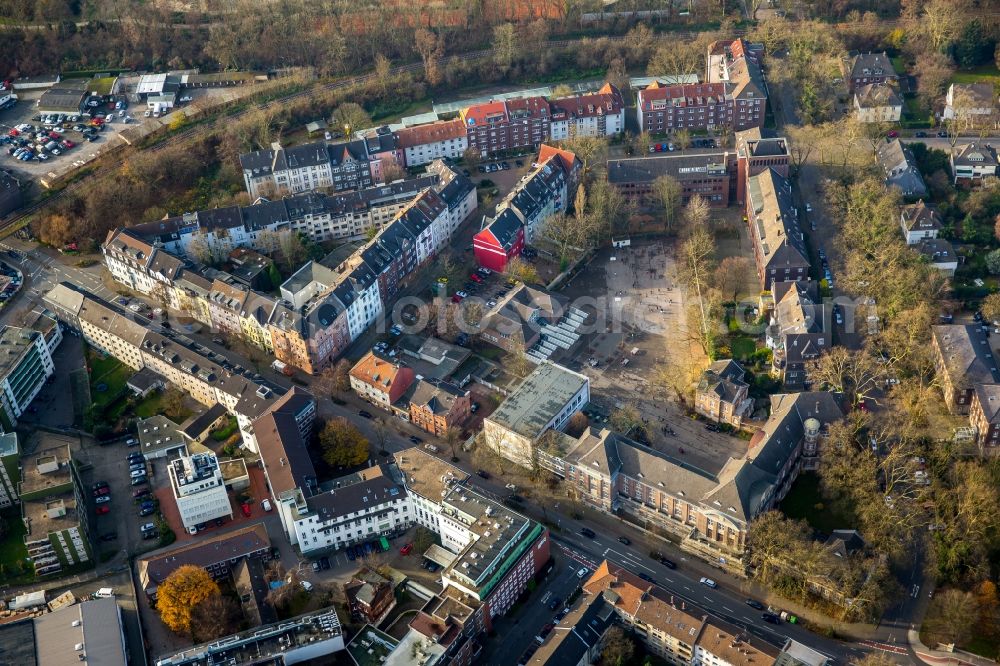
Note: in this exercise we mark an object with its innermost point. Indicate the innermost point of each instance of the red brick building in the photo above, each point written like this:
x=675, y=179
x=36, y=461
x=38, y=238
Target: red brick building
x=496, y=127
x=436, y=406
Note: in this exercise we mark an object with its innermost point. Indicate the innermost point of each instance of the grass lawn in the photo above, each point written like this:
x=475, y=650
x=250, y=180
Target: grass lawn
x=986, y=73
x=984, y=647
x=742, y=347
x=108, y=371
x=805, y=502
x=153, y=405
x=915, y=111
x=12, y=550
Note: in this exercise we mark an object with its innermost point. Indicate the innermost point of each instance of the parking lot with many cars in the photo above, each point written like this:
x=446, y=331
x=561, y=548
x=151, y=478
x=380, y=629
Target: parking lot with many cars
x=34, y=142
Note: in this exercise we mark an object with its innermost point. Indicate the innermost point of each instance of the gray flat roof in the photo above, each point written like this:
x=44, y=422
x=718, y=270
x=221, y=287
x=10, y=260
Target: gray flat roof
x=539, y=399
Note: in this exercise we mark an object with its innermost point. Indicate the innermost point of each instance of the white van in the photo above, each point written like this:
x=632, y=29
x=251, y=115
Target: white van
x=104, y=593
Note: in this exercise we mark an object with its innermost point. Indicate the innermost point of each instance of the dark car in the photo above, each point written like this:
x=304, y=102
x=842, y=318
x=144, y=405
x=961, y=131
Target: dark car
x=942, y=134
x=141, y=492
x=668, y=563
x=646, y=577
x=483, y=474
x=587, y=532
x=324, y=562
x=753, y=603
x=110, y=536
x=365, y=414
x=920, y=135
x=554, y=603
x=100, y=484
x=624, y=540
x=770, y=617
x=415, y=439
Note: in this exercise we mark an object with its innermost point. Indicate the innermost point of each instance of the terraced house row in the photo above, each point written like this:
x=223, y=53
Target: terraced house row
x=324, y=306
x=492, y=127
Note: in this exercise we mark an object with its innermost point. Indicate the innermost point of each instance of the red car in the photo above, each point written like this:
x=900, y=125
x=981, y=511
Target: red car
x=54, y=136
x=456, y=299
x=475, y=278
x=67, y=143
x=406, y=550
x=101, y=510
x=13, y=132
x=102, y=491
x=245, y=508
x=893, y=134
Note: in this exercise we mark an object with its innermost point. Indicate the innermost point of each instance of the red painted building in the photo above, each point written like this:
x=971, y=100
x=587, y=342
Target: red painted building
x=501, y=239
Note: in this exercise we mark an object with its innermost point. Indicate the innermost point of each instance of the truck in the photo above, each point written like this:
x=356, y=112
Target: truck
x=283, y=368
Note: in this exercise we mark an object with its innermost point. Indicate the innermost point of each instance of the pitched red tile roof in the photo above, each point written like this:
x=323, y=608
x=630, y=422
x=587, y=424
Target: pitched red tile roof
x=430, y=133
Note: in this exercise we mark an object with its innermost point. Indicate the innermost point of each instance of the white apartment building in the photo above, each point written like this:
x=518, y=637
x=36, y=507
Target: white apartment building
x=10, y=454
x=25, y=365
x=545, y=399
x=199, y=490
x=423, y=144
x=361, y=507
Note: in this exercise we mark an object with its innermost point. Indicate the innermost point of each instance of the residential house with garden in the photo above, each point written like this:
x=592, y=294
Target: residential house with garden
x=900, y=168
x=877, y=103
x=973, y=163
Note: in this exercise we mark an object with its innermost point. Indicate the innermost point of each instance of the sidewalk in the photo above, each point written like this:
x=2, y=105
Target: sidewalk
x=695, y=566
x=935, y=657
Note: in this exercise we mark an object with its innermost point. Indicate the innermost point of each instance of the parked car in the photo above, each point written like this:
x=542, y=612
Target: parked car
x=364, y=414
x=98, y=492
x=100, y=484
x=483, y=474
x=406, y=550
x=415, y=439
x=102, y=499
x=139, y=480
x=102, y=510
x=245, y=508
x=265, y=504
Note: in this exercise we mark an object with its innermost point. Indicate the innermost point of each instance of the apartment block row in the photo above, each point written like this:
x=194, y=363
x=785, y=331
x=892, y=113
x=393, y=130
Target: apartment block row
x=348, y=215
x=709, y=511
x=675, y=632
x=325, y=305
x=546, y=190
x=491, y=127
x=732, y=97
x=210, y=379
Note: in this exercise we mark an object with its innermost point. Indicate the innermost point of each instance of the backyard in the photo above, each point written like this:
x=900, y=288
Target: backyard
x=983, y=74
x=107, y=377
x=805, y=502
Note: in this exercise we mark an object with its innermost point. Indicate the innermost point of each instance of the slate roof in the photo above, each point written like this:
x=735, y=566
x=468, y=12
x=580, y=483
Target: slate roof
x=864, y=65
x=975, y=154
x=776, y=219
x=365, y=489
x=920, y=217
x=988, y=396
x=503, y=229
x=967, y=357
x=877, y=95
x=900, y=168
x=724, y=378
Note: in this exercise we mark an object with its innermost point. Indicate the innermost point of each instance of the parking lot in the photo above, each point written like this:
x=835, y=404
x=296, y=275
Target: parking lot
x=82, y=150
